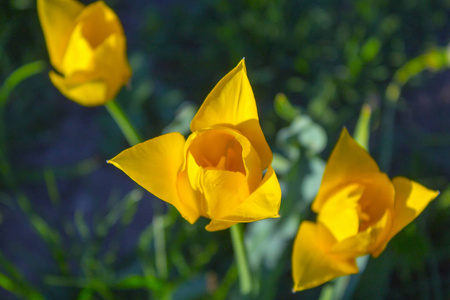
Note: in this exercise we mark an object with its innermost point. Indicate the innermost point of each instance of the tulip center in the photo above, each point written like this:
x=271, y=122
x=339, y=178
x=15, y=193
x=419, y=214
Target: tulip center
x=218, y=150
x=364, y=217
x=95, y=25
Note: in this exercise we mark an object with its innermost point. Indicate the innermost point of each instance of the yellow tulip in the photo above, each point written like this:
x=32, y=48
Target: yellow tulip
x=218, y=172
x=87, y=48
x=359, y=209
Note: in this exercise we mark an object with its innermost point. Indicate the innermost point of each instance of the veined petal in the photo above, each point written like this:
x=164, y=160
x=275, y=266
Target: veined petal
x=87, y=93
x=57, y=19
x=411, y=198
x=348, y=162
x=263, y=203
x=312, y=262
x=155, y=165
x=231, y=103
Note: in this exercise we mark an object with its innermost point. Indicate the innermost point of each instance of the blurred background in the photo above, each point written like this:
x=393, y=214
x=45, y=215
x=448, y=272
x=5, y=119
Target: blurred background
x=74, y=227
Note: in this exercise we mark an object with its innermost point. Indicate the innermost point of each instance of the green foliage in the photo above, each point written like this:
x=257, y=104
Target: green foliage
x=312, y=66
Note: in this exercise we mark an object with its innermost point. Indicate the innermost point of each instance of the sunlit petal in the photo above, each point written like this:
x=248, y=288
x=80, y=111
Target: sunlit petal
x=232, y=103
x=263, y=203
x=312, y=261
x=348, y=162
x=411, y=198
x=339, y=214
x=154, y=165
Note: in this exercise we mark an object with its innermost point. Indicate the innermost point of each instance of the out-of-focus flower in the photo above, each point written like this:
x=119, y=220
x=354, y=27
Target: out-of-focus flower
x=87, y=48
x=218, y=172
x=359, y=210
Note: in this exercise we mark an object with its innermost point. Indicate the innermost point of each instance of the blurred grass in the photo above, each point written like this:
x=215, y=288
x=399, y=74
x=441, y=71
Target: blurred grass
x=312, y=65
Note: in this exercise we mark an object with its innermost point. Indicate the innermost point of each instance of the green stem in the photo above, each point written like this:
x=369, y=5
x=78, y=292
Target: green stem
x=122, y=121
x=240, y=254
x=160, y=246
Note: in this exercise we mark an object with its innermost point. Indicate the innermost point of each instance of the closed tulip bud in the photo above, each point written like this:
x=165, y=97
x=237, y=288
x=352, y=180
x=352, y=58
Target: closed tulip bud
x=87, y=48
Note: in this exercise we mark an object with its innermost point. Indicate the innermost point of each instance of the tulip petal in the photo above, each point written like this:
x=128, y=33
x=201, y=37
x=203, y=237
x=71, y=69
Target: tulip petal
x=232, y=104
x=312, y=262
x=411, y=198
x=339, y=214
x=98, y=22
x=216, y=225
x=79, y=54
x=348, y=162
x=57, y=19
x=154, y=165
x=88, y=93
x=263, y=203
x=373, y=240
x=224, y=191
x=111, y=60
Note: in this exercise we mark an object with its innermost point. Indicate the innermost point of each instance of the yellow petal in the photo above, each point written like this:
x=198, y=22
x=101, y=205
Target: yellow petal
x=191, y=200
x=411, y=198
x=353, y=246
x=263, y=203
x=155, y=165
x=312, y=262
x=98, y=21
x=79, y=54
x=216, y=225
x=231, y=103
x=378, y=197
x=379, y=234
x=87, y=93
x=348, y=162
x=224, y=191
x=339, y=214
x=111, y=62
x=373, y=240
x=57, y=19
x=101, y=28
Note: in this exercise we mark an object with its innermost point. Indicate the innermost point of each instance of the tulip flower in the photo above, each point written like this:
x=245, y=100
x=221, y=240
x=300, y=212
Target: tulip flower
x=359, y=209
x=87, y=48
x=218, y=172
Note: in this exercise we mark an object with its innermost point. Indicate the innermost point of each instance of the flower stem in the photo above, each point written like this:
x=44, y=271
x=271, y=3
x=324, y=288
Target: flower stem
x=240, y=254
x=122, y=121
x=160, y=246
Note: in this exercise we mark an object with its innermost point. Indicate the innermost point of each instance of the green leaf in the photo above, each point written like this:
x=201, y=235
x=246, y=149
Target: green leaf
x=139, y=282
x=17, y=77
x=370, y=49
x=284, y=109
x=362, y=130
